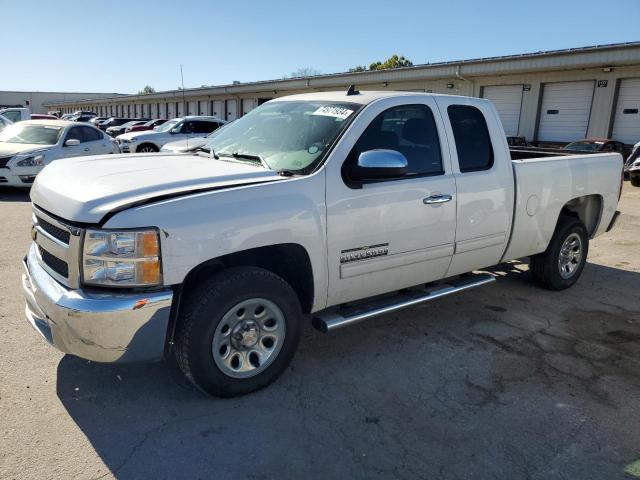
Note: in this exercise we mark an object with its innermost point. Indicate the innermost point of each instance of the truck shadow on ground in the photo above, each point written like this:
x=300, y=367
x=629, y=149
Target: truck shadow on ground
x=507, y=381
x=14, y=194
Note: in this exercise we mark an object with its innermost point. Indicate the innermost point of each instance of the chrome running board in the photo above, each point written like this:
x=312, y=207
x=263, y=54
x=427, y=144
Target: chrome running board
x=333, y=319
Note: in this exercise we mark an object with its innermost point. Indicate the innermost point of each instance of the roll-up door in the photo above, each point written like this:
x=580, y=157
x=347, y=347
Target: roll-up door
x=508, y=102
x=218, y=109
x=232, y=110
x=247, y=105
x=565, y=110
x=626, y=120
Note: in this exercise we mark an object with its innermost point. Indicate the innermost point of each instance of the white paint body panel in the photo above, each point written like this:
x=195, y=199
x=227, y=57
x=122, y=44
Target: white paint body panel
x=249, y=207
x=572, y=102
x=626, y=126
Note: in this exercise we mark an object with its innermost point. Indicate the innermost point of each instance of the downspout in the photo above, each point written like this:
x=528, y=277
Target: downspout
x=471, y=82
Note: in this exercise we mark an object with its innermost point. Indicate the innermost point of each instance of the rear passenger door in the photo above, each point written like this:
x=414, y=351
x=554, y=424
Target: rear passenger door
x=385, y=235
x=95, y=142
x=484, y=182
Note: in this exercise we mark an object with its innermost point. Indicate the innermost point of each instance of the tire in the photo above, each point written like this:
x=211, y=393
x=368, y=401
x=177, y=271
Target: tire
x=635, y=180
x=551, y=271
x=147, y=148
x=222, y=312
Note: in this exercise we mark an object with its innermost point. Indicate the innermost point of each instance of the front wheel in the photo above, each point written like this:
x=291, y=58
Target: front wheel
x=635, y=180
x=561, y=264
x=147, y=148
x=238, y=331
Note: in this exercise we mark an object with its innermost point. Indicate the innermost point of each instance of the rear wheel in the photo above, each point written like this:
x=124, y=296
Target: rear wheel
x=238, y=331
x=147, y=148
x=635, y=180
x=561, y=264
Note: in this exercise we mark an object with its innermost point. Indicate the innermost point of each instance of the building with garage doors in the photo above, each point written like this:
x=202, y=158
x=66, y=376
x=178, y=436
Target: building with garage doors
x=38, y=102
x=555, y=96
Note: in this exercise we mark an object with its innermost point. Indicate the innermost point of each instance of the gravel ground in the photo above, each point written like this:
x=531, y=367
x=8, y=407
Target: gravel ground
x=507, y=381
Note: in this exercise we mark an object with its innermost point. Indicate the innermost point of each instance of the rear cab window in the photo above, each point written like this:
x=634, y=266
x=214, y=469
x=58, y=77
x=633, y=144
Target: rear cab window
x=471, y=135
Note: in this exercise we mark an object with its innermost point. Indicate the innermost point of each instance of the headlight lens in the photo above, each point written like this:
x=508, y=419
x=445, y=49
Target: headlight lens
x=32, y=161
x=122, y=258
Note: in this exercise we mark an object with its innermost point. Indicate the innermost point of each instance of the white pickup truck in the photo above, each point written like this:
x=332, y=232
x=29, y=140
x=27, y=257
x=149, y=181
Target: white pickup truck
x=335, y=207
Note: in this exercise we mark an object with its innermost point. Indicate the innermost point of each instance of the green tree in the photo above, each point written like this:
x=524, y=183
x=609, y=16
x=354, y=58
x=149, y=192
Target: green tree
x=305, y=72
x=147, y=90
x=394, y=61
x=358, y=68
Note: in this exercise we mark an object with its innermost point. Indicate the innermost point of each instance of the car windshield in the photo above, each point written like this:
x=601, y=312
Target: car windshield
x=130, y=124
x=584, y=146
x=36, y=134
x=165, y=127
x=287, y=136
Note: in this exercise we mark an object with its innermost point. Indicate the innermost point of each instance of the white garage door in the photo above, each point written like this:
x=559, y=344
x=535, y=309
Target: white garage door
x=564, y=114
x=508, y=101
x=218, y=109
x=232, y=110
x=247, y=105
x=626, y=122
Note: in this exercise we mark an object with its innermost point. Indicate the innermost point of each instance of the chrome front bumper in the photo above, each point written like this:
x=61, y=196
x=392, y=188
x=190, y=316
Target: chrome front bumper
x=103, y=327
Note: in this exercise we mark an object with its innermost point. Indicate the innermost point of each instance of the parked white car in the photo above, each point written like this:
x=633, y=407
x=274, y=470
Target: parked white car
x=190, y=144
x=632, y=167
x=171, y=131
x=26, y=147
x=301, y=208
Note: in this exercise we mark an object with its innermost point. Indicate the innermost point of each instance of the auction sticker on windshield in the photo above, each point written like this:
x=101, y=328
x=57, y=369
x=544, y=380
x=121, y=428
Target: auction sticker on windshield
x=337, y=112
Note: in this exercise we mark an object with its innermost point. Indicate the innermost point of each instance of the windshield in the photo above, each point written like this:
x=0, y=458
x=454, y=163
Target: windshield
x=130, y=124
x=584, y=146
x=37, y=134
x=289, y=136
x=165, y=127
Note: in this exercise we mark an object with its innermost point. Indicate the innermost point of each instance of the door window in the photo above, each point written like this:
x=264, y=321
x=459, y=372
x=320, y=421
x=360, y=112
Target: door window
x=471, y=135
x=13, y=115
x=90, y=134
x=408, y=129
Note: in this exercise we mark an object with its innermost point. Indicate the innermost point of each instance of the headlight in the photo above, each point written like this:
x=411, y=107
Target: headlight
x=122, y=258
x=32, y=161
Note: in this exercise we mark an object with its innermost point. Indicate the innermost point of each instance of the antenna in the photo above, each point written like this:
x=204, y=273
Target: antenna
x=184, y=103
x=352, y=91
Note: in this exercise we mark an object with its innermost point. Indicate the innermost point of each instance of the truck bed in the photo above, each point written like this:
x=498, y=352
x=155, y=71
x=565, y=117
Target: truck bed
x=544, y=185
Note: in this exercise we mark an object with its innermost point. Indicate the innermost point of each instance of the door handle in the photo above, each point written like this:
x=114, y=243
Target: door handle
x=434, y=199
x=86, y=149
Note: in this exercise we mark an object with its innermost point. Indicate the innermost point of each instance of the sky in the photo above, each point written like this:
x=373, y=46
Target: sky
x=121, y=46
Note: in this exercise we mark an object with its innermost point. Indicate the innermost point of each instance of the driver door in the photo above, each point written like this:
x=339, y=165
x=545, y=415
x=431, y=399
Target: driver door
x=385, y=235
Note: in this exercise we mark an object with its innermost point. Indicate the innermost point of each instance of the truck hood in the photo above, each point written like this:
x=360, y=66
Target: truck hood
x=85, y=189
x=7, y=149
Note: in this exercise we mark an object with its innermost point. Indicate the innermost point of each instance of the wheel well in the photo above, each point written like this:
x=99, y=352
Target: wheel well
x=147, y=143
x=588, y=209
x=287, y=260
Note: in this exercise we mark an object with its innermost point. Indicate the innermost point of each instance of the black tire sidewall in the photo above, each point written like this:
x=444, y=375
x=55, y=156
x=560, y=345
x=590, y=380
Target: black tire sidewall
x=154, y=149
x=246, y=283
x=635, y=180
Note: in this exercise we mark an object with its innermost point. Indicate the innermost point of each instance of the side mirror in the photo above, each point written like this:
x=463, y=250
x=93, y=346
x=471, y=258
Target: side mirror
x=174, y=130
x=379, y=164
x=72, y=142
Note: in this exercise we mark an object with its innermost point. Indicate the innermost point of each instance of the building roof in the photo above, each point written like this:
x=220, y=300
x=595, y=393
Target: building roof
x=581, y=57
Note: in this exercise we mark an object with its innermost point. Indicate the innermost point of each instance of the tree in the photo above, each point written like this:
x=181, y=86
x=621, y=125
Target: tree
x=147, y=90
x=305, y=72
x=358, y=68
x=393, y=61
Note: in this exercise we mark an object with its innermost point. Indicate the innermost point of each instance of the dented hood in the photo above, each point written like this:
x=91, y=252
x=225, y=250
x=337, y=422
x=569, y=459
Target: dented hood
x=85, y=189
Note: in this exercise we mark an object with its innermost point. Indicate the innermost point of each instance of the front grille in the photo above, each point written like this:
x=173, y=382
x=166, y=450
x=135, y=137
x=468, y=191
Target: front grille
x=3, y=180
x=54, y=263
x=4, y=161
x=55, y=232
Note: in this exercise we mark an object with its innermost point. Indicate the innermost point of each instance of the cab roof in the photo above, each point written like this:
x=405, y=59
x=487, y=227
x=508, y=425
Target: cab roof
x=363, y=97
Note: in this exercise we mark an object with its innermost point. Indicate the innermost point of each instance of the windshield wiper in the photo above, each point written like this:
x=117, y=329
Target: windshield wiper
x=248, y=156
x=209, y=151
